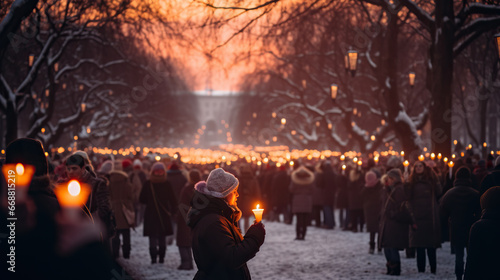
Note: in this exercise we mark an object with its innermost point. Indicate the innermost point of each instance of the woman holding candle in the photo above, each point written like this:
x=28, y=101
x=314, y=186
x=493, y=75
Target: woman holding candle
x=219, y=249
x=424, y=189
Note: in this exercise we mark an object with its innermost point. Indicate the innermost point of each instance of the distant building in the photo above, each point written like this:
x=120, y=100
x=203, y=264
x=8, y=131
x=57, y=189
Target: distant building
x=217, y=111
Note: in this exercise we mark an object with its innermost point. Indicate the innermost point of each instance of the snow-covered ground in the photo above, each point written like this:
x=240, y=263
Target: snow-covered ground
x=325, y=254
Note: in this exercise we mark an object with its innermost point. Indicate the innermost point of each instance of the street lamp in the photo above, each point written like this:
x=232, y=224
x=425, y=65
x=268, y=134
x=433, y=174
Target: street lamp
x=411, y=77
x=31, y=58
x=333, y=91
x=353, y=61
x=497, y=42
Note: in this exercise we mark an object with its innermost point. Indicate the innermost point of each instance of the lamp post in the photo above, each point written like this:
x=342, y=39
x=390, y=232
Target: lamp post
x=497, y=41
x=333, y=91
x=353, y=61
x=411, y=77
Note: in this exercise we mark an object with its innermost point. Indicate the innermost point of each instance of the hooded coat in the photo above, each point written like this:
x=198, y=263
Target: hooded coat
x=372, y=203
x=393, y=234
x=302, y=189
x=460, y=207
x=219, y=249
x=161, y=204
x=425, y=209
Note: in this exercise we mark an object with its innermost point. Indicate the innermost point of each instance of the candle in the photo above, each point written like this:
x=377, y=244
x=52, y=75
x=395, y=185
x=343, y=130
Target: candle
x=450, y=165
x=18, y=177
x=343, y=169
x=433, y=156
x=72, y=196
x=406, y=163
x=342, y=157
x=258, y=213
x=402, y=153
x=439, y=156
x=359, y=164
x=421, y=157
x=375, y=159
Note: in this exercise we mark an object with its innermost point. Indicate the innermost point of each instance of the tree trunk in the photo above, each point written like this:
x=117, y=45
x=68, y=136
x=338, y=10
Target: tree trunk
x=11, y=123
x=440, y=77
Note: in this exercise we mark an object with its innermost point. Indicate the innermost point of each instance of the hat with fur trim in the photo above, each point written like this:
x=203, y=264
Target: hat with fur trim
x=220, y=183
x=302, y=176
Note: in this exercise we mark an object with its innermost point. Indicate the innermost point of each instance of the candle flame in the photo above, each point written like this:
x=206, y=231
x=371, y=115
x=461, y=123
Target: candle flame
x=19, y=169
x=406, y=163
x=74, y=188
x=257, y=206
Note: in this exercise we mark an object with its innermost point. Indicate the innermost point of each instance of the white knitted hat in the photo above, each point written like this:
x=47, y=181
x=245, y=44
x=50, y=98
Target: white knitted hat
x=220, y=183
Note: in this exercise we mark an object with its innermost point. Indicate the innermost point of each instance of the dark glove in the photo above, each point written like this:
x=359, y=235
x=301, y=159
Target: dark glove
x=257, y=233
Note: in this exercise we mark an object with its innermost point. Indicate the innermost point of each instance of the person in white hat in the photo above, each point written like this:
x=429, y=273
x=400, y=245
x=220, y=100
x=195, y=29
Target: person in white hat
x=219, y=249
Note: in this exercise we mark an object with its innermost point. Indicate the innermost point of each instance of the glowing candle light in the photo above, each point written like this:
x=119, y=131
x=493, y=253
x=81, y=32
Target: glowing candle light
x=439, y=156
x=406, y=164
x=445, y=159
x=342, y=157
x=258, y=213
x=375, y=159
x=72, y=196
x=433, y=156
x=450, y=165
x=421, y=157
x=343, y=169
x=19, y=176
x=283, y=121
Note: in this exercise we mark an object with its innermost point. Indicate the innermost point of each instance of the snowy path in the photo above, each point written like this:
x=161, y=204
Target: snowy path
x=325, y=254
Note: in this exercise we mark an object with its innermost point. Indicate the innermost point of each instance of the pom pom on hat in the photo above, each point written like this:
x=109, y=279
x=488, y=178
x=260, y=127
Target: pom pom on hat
x=220, y=183
x=126, y=163
x=137, y=163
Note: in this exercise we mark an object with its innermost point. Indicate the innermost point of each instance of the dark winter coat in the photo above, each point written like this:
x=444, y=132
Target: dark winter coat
x=372, y=204
x=219, y=250
x=328, y=185
x=122, y=199
x=392, y=233
x=425, y=208
x=98, y=202
x=280, y=194
x=177, y=180
x=161, y=204
x=355, y=185
x=183, y=231
x=483, y=257
x=302, y=189
x=490, y=180
x=318, y=197
x=342, y=192
x=460, y=206
x=249, y=191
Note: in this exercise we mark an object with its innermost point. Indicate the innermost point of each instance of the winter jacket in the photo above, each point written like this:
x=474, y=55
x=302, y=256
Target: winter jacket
x=393, y=233
x=354, y=186
x=302, y=189
x=161, y=204
x=219, y=250
x=177, y=180
x=318, y=197
x=98, y=202
x=280, y=194
x=460, y=207
x=425, y=208
x=483, y=256
x=342, y=192
x=329, y=185
x=183, y=231
x=249, y=191
x=122, y=199
x=490, y=180
x=372, y=204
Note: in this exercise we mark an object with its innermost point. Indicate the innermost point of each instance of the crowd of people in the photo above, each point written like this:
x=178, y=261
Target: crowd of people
x=200, y=206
